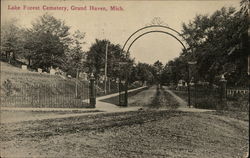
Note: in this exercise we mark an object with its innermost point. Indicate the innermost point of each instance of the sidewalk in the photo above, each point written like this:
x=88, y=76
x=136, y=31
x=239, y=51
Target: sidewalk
x=27, y=114
x=101, y=107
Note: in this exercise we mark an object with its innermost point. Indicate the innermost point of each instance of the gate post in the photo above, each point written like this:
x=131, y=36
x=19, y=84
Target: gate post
x=120, y=92
x=126, y=94
x=223, y=92
x=92, y=96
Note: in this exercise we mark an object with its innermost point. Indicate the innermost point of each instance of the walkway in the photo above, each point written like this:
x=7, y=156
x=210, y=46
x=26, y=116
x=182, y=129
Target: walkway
x=101, y=107
x=183, y=104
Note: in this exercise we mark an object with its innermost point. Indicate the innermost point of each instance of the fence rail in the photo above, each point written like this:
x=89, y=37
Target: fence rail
x=237, y=91
x=53, y=96
x=203, y=97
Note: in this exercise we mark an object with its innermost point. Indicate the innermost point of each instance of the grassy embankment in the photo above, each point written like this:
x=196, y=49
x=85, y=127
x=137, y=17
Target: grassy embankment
x=21, y=88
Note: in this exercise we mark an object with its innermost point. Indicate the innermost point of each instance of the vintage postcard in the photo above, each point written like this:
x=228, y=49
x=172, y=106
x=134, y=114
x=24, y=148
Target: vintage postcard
x=124, y=78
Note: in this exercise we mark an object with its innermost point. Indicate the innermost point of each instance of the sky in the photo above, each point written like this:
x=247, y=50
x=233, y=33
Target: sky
x=118, y=25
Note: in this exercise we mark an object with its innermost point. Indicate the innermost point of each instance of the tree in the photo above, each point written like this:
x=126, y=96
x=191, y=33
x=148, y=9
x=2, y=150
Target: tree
x=96, y=58
x=174, y=71
x=158, y=67
x=10, y=40
x=75, y=56
x=216, y=42
x=47, y=42
x=142, y=72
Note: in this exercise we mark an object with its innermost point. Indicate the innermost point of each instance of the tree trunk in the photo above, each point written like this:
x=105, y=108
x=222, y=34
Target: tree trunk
x=13, y=56
x=8, y=57
x=29, y=61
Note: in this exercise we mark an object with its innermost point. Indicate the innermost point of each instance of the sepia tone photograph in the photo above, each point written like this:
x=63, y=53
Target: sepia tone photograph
x=124, y=78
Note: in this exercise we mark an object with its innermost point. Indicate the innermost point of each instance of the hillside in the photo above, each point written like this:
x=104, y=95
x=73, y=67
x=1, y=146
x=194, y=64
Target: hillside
x=19, y=86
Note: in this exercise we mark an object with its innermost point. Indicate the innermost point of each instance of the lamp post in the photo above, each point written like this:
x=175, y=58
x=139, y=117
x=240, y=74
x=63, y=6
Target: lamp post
x=188, y=67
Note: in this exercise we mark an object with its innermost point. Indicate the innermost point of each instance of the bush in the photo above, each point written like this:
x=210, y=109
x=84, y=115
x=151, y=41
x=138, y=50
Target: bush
x=239, y=102
x=208, y=102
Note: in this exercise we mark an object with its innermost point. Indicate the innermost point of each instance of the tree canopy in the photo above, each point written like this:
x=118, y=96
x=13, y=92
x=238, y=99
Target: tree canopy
x=218, y=43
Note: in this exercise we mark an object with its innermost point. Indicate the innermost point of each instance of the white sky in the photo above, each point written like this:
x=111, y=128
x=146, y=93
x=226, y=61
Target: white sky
x=118, y=25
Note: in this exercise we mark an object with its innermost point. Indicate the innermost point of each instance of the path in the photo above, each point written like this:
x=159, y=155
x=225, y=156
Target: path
x=101, y=107
x=108, y=107
x=183, y=104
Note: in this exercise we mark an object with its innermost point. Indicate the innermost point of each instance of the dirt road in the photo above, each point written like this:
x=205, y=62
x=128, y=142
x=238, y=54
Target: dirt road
x=129, y=134
x=153, y=97
x=150, y=132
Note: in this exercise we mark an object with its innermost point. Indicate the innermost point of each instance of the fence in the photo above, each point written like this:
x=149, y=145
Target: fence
x=211, y=97
x=63, y=95
x=200, y=97
x=233, y=91
x=238, y=98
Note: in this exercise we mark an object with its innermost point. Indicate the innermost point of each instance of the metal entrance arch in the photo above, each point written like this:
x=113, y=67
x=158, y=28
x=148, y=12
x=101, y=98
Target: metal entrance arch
x=123, y=89
x=155, y=27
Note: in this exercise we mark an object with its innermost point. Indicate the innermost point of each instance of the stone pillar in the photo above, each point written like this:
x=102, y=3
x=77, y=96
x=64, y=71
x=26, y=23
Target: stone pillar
x=120, y=92
x=92, y=93
x=223, y=92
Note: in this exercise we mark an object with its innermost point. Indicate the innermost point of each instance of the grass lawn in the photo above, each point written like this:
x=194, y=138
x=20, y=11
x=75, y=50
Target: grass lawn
x=152, y=97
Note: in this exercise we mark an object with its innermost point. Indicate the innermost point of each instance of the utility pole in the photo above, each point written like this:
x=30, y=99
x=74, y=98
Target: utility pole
x=188, y=84
x=109, y=85
x=248, y=78
x=248, y=32
x=106, y=67
x=76, y=90
x=188, y=70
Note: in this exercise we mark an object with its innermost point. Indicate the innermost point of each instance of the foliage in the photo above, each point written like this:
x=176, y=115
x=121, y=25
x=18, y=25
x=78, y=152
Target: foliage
x=218, y=43
x=174, y=70
x=118, y=60
x=75, y=56
x=10, y=40
x=47, y=42
x=142, y=72
x=96, y=59
x=158, y=67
